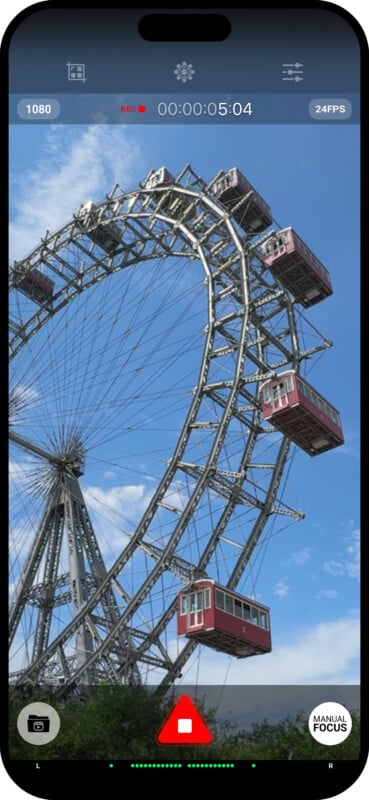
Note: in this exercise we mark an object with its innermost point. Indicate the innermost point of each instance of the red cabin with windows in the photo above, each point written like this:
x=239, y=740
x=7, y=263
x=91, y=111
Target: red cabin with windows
x=159, y=177
x=175, y=204
x=292, y=262
x=253, y=215
x=223, y=620
x=298, y=411
x=105, y=234
x=35, y=284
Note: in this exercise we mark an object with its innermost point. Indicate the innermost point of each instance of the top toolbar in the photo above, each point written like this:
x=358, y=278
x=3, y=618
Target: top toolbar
x=267, y=50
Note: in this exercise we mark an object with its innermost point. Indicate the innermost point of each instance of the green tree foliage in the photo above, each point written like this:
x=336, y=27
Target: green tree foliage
x=290, y=739
x=121, y=723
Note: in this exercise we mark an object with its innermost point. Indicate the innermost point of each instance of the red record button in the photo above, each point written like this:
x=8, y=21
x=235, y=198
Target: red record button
x=184, y=725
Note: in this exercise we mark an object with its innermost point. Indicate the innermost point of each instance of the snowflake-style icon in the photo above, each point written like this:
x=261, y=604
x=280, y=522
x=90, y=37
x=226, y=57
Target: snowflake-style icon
x=184, y=72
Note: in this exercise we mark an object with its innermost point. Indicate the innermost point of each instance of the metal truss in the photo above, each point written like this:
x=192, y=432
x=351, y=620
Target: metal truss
x=250, y=333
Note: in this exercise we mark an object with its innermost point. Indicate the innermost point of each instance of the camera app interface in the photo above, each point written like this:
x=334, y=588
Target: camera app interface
x=184, y=392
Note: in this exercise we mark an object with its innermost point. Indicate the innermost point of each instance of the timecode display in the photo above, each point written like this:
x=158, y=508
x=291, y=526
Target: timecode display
x=211, y=109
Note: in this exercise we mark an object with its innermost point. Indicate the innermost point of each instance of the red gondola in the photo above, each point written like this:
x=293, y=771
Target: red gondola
x=35, y=284
x=159, y=177
x=106, y=235
x=253, y=215
x=292, y=262
x=298, y=411
x=223, y=620
x=176, y=205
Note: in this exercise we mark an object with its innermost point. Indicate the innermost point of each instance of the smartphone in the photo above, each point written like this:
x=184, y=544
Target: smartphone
x=185, y=194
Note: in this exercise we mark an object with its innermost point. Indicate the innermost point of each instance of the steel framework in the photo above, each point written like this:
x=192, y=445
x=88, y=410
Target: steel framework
x=219, y=486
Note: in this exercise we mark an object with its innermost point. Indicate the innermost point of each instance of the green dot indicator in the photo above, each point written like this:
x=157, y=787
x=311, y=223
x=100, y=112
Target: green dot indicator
x=253, y=765
x=111, y=766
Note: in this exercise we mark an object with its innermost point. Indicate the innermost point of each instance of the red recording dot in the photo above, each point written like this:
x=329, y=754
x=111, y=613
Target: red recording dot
x=142, y=108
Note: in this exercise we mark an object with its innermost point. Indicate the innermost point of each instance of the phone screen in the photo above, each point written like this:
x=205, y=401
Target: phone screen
x=185, y=593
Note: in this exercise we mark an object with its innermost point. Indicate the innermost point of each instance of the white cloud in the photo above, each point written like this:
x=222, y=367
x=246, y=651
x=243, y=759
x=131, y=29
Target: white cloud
x=349, y=562
x=24, y=394
x=77, y=165
x=114, y=515
x=177, y=497
x=126, y=503
x=302, y=556
x=327, y=653
x=329, y=594
x=334, y=567
x=353, y=549
x=281, y=589
x=20, y=541
x=19, y=472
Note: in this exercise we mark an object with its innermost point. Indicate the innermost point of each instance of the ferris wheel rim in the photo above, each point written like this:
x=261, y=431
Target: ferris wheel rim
x=191, y=414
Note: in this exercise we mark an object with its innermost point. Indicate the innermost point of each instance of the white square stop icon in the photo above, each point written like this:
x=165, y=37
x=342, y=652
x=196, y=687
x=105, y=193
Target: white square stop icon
x=185, y=726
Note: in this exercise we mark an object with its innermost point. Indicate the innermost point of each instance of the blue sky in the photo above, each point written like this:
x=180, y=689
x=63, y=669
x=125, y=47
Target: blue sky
x=309, y=175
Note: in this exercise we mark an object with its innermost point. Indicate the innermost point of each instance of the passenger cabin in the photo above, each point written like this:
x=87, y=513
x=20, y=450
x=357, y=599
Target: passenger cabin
x=35, y=284
x=174, y=204
x=292, y=262
x=253, y=214
x=221, y=619
x=105, y=234
x=297, y=410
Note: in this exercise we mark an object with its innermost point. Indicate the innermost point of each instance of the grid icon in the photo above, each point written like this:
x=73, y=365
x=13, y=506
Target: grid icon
x=76, y=72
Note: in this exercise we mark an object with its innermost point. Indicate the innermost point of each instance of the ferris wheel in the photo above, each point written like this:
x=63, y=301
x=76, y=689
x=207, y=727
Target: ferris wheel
x=142, y=335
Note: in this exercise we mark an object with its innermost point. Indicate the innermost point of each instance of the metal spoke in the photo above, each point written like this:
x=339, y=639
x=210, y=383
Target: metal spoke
x=87, y=620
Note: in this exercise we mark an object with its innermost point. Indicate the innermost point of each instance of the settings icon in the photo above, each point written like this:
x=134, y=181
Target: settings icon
x=184, y=72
